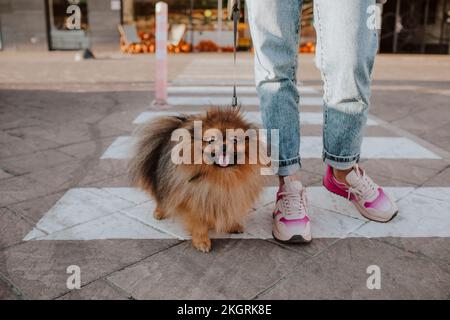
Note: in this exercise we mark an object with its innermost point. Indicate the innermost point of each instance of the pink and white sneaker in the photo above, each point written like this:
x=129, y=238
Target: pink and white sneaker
x=369, y=198
x=291, y=223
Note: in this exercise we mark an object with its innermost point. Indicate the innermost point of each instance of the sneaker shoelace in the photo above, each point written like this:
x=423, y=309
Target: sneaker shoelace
x=366, y=188
x=293, y=202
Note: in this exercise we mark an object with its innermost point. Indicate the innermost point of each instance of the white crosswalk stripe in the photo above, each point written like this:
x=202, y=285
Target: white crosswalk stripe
x=126, y=213
x=311, y=148
x=245, y=90
x=212, y=101
x=306, y=118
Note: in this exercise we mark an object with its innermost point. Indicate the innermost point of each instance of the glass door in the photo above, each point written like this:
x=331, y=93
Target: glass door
x=1, y=39
x=68, y=24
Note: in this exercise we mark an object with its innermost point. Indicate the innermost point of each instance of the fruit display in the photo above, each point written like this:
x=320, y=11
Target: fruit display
x=307, y=47
x=147, y=45
x=207, y=46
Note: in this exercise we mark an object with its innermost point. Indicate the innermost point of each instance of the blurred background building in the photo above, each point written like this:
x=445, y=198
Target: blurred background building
x=408, y=26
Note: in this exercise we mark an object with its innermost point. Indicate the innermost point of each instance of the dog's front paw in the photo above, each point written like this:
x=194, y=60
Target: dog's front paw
x=158, y=214
x=236, y=228
x=202, y=244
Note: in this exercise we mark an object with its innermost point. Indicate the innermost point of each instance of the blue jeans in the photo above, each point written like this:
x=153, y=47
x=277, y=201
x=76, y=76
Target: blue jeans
x=345, y=53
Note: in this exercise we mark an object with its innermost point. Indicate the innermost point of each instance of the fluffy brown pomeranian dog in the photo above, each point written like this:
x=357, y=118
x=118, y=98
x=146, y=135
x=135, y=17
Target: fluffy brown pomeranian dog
x=217, y=182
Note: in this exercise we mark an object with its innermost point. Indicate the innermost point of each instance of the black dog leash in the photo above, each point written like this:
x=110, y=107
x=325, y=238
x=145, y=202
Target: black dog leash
x=235, y=13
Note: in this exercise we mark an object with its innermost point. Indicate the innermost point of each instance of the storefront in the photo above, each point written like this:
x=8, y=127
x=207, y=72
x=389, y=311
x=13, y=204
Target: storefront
x=422, y=26
x=204, y=24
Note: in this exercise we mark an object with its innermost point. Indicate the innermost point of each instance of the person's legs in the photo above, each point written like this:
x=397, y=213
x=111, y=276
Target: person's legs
x=345, y=56
x=274, y=25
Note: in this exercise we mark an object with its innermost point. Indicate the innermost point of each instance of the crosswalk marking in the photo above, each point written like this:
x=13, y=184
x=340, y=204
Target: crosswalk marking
x=311, y=148
x=306, y=118
x=182, y=101
x=189, y=81
x=126, y=213
x=249, y=90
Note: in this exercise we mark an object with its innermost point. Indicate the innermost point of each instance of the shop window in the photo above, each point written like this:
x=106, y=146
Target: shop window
x=431, y=8
x=204, y=24
x=1, y=39
x=68, y=24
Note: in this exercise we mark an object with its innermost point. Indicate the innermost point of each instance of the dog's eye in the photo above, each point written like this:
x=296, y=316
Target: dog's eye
x=210, y=140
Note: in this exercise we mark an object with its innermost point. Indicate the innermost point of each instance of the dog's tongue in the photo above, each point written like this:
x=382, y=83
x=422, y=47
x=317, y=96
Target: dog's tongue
x=223, y=160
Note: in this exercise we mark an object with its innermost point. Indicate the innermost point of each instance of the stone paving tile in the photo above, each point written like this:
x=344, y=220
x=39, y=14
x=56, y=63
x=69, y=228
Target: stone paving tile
x=234, y=269
x=81, y=205
x=410, y=171
x=113, y=226
x=435, y=249
x=66, y=133
x=98, y=290
x=111, y=168
x=7, y=292
x=33, y=210
x=119, y=181
x=439, y=136
x=340, y=273
x=399, y=104
x=438, y=193
x=12, y=118
x=87, y=149
x=388, y=181
x=35, y=161
x=20, y=188
x=4, y=175
x=419, y=216
x=12, y=228
x=316, y=166
x=441, y=180
x=13, y=144
x=120, y=120
x=419, y=123
x=174, y=227
x=315, y=247
x=69, y=175
x=38, y=268
x=308, y=178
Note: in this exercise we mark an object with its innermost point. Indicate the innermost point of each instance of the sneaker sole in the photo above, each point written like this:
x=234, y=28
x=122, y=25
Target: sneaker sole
x=362, y=212
x=296, y=239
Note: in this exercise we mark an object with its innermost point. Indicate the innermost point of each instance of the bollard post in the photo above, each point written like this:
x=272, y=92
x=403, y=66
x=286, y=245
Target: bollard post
x=161, y=54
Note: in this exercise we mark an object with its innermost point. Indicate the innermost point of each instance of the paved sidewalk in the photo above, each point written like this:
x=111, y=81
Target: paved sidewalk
x=65, y=199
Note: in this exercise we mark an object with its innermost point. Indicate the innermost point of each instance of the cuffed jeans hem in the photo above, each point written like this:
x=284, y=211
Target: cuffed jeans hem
x=340, y=163
x=288, y=167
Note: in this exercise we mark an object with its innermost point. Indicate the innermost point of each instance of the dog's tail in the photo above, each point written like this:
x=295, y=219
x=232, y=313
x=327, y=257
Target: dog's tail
x=152, y=138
